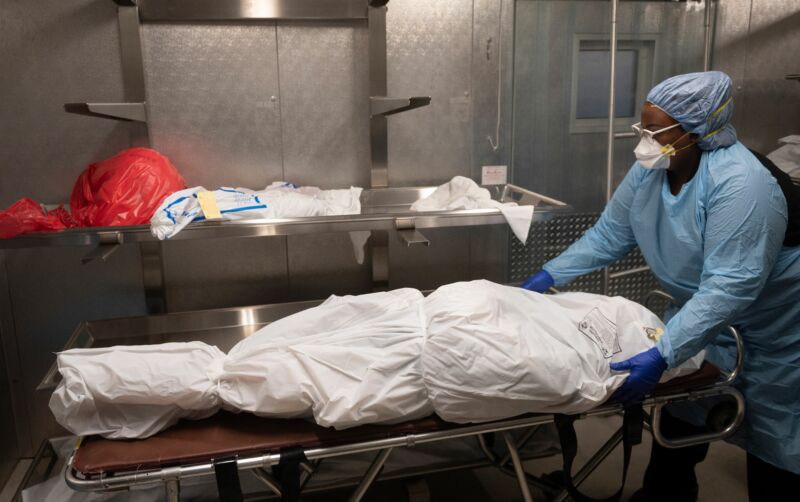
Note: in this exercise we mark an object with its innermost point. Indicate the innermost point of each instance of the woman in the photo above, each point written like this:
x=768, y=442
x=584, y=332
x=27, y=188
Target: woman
x=710, y=221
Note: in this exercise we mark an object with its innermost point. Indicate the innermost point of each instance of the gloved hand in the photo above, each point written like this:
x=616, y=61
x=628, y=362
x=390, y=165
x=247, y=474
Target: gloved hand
x=646, y=369
x=539, y=282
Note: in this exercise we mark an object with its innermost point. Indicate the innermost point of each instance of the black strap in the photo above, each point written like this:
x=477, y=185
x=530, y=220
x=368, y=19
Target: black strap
x=791, y=193
x=632, y=424
x=227, y=474
x=288, y=473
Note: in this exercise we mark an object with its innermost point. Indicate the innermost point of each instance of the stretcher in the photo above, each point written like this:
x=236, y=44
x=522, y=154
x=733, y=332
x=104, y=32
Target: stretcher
x=285, y=454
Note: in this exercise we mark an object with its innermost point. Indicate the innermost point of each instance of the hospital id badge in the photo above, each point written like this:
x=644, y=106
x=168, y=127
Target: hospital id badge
x=602, y=332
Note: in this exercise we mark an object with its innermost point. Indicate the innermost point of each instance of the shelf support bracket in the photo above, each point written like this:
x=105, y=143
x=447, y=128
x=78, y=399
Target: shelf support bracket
x=385, y=106
x=129, y=112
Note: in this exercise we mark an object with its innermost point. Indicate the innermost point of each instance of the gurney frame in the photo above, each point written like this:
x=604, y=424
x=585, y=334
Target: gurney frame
x=259, y=464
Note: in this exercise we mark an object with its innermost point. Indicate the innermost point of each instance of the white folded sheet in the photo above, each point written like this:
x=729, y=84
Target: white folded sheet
x=464, y=193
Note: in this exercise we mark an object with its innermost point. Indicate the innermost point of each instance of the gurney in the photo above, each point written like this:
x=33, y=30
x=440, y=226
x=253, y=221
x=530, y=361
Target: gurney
x=284, y=454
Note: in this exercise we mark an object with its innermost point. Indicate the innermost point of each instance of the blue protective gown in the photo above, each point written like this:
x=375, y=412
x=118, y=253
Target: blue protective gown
x=717, y=247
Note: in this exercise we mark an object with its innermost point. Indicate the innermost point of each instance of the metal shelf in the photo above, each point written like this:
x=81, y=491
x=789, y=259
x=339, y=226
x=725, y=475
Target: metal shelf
x=386, y=209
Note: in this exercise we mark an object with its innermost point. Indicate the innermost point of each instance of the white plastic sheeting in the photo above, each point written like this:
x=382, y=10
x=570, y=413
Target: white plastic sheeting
x=350, y=360
x=494, y=351
x=471, y=351
x=279, y=200
x=134, y=391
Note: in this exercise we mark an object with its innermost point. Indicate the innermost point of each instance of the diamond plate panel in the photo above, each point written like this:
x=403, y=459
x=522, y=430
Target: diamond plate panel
x=209, y=101
x=550, y=238
x=547, y=240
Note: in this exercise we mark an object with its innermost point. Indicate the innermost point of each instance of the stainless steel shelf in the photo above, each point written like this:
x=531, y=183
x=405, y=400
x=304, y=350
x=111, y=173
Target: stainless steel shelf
x=385, y=209
x=236, y=10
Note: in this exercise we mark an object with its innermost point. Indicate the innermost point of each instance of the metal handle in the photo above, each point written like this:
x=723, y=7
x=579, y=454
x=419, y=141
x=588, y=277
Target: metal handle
x=724, y=387
x=699, y=438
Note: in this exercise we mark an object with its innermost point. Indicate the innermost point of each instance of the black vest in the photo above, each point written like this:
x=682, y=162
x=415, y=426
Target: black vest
x=791, y=192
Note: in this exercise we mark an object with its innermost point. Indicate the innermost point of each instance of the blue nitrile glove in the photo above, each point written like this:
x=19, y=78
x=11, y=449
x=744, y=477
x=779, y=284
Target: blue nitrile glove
x=646, y=369
x=539, y=282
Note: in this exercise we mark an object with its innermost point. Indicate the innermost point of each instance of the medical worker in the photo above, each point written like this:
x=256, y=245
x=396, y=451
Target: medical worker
x=711, y=222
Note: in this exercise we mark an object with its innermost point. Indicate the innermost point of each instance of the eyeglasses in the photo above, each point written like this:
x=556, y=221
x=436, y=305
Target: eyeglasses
x=637, y=128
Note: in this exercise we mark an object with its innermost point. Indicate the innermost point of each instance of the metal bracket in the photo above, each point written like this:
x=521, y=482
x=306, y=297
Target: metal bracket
x=382, y=105
x=109, y=243
x=408, y=234
x=129, y=112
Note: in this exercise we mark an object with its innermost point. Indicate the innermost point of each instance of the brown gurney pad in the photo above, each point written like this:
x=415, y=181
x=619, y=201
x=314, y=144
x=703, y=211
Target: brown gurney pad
x=708, y=374
x=227, y=434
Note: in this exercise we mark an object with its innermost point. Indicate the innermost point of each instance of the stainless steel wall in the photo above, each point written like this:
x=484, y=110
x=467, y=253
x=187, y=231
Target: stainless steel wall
x=757, y=44
x=238, y=104
x=548, y=155
x=10, y=447
x=52, y=53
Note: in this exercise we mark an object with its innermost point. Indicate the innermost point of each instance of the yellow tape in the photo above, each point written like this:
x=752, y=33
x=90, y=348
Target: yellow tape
x=208, y=204
x=718, y=110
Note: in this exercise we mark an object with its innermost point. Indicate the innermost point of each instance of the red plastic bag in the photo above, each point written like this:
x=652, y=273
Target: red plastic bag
x=26, y=216
x=125, y=189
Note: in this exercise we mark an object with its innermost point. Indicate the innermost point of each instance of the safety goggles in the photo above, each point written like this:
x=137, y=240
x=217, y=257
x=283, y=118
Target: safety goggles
x=637, y=128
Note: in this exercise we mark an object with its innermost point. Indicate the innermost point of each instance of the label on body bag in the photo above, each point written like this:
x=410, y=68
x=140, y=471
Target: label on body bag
x=208, y=204
x=601, y=331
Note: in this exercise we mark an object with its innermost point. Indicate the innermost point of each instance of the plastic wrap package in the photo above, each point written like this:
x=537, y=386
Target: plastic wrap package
x=470, y=352
x=27, y=216
x=279, y=200
x=350, y=361
x=464, y=193
x=125, y=189
x=135, y=391
x=494, y=351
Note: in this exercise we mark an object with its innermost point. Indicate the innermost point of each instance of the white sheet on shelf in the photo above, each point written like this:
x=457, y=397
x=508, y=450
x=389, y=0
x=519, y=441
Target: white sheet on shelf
x=464, y=193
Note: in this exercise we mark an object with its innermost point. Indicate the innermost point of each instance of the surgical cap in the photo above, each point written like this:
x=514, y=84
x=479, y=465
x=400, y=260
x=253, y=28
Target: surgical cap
x=701, y=103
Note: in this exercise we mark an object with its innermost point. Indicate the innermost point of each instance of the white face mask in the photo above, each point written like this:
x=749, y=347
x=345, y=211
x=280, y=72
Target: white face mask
x=651, y=154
